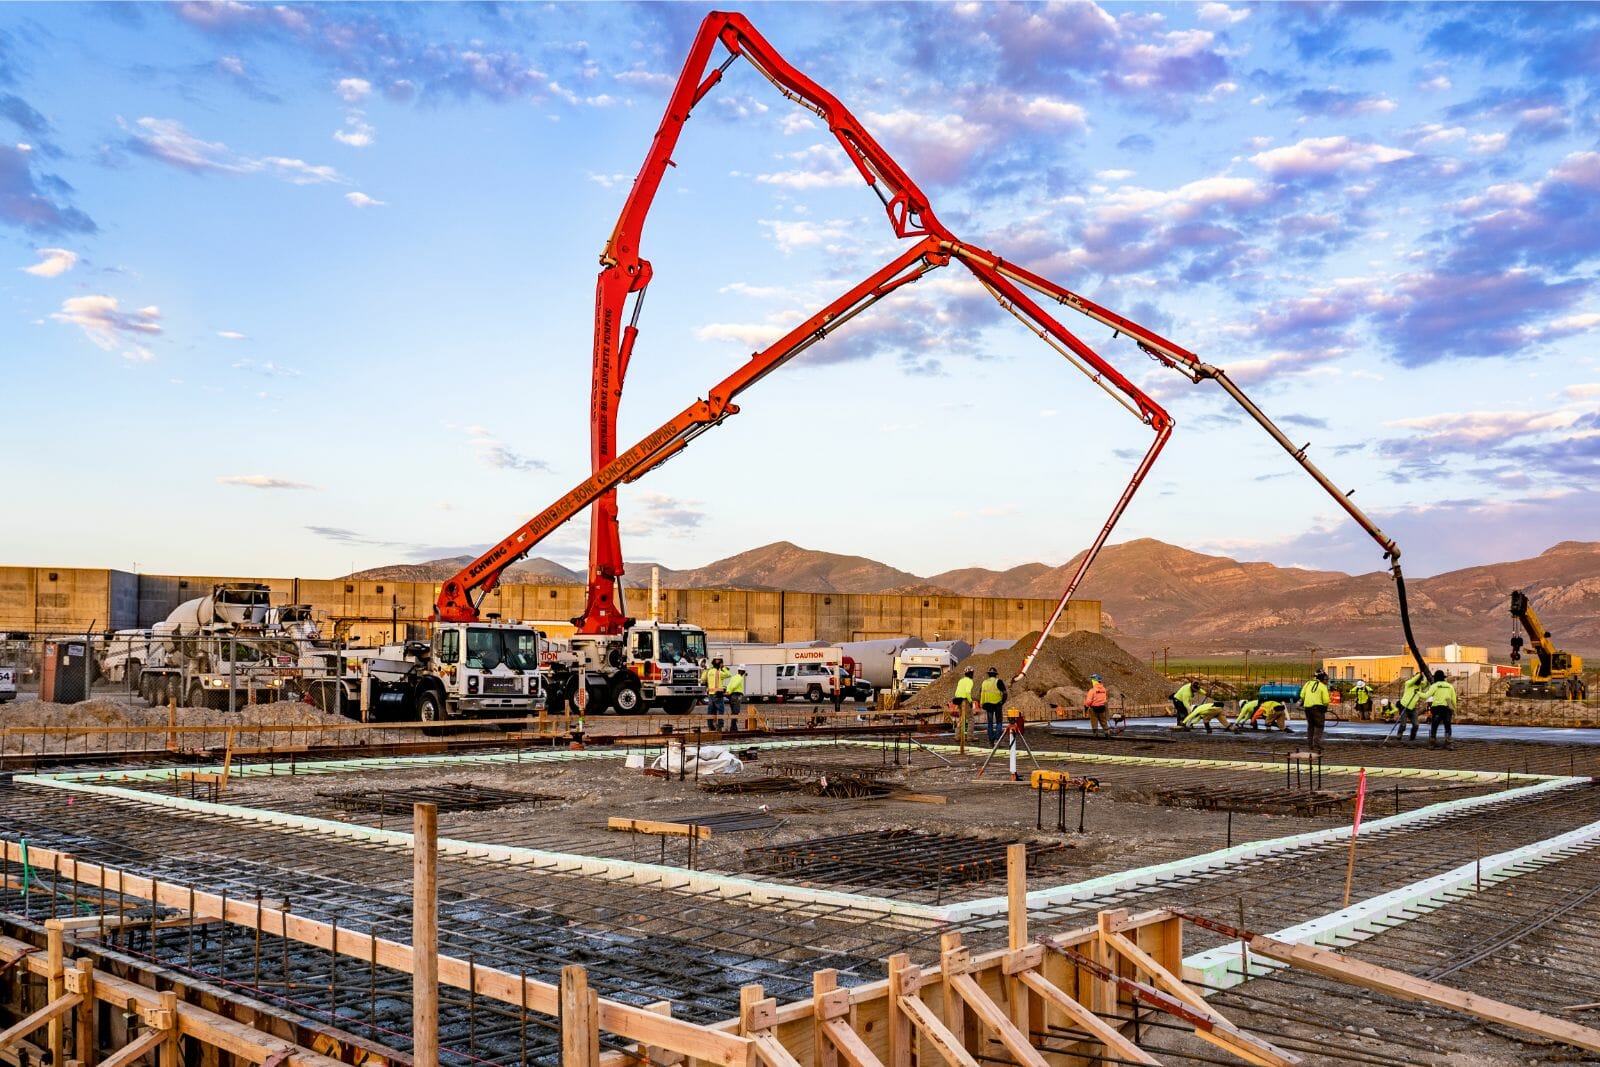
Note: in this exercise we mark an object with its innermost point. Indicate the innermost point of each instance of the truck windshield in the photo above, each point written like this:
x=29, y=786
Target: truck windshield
x=924, y=673
x=679, y=646
x=517, y=649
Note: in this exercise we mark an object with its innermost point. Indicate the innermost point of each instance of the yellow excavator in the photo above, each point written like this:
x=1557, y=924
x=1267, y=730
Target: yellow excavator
x=1552, y=674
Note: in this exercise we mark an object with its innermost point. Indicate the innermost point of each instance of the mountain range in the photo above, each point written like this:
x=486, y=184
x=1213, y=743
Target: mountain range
x=1157, y=595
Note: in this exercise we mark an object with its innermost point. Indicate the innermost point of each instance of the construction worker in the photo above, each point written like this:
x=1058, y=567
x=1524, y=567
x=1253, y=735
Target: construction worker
x=1314, y=698
x=1441, y=698
x=1410, y=697
x=1247, y=714
x=1274, y=713
x=1094, y=705
x=1205, y=713
x=1361, y=693
x=736, y=698
x=837, y=675
x=712, y=679
x=963, y=699
x=992, y=698
x=1184, y=700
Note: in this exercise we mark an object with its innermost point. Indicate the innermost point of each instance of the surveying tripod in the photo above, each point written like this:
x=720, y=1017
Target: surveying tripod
x=1013, y=733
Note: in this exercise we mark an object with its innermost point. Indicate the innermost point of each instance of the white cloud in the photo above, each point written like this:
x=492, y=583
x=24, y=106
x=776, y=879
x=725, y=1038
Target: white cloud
x=751, y=334
x=1582, y=391
x=1581, y=169
x=53, y=262
x=168, y=141
x=760, y=292
x=356, y=133
x=261, y=481
x=1222, y=14
x=353, y=90
x=800, y=233
x=270, y=369
x=1113, y=175
x=230, y=335
x=1436, y=84
x=1489, y=143
x=493, y=452
x=609, y=181
x=103, y=322
x=299, y=172
x=363, y=200
x=1326, y=155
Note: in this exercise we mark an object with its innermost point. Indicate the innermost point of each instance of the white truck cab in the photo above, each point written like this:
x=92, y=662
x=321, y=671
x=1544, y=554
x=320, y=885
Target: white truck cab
x=918, y=668
x=650, y=663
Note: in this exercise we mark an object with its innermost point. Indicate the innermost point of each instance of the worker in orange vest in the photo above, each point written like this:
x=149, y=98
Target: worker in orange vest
x=1094, y=703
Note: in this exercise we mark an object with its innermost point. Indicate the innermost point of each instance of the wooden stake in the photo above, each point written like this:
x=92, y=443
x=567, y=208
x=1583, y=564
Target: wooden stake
x=56, y=987
x=900, y=1032
x=84, y=1036
x=1017, y=895
x=425, y=935
x=580, y=1019
x=1349, y=871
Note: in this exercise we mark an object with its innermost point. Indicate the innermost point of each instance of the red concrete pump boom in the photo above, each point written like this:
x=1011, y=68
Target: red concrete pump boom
x=625, y=273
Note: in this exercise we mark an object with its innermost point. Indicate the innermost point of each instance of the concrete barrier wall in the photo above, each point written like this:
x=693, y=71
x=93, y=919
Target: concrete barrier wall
x=72, y=599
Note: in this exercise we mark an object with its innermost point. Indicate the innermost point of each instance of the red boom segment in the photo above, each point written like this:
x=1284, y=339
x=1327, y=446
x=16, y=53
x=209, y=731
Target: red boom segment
x=624, y=272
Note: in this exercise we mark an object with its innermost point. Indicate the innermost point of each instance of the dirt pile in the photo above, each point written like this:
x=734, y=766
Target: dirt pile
x=112, y=713
x=1059, y=674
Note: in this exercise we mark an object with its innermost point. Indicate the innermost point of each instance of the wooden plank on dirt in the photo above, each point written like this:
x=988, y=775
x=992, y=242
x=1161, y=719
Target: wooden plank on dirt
x=663, y=829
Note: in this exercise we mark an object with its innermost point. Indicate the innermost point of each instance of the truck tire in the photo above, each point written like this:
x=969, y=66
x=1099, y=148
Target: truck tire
x=135, y=673
x=677, y=705
x=814, y=694
x=197, y=696
x=625, y=695
x=430, y=708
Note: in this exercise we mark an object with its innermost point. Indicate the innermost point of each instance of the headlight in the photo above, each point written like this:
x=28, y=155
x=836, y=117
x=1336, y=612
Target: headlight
x=218, y=682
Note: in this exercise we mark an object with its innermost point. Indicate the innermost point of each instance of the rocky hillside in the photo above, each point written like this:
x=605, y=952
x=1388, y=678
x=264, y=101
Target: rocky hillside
x=1158, y=595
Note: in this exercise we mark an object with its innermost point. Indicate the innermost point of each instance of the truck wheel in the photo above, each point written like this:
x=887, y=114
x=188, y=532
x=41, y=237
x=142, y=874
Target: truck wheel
x=814, y=694
x=677, y=705
x=135, y=673
x=197, y=696
x=625, y=695
x=429, y=709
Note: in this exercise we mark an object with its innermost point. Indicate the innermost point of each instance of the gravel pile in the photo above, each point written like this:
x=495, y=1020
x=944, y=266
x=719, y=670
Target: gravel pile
x=113, y=713
x=1059, y=674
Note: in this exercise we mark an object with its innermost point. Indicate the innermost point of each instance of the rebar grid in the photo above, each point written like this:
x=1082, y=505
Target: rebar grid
x=894, y=859
x=1274, y=891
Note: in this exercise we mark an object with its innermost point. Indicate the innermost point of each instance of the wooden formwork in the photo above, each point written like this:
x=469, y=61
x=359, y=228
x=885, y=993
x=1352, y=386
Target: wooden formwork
x=1050, y=1001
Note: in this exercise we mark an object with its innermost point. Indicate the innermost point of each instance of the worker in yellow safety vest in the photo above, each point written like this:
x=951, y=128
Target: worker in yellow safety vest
x=715, y=679
x=1410, y=697
x=735, y=692
x=1205, y=712
x=1184, y=700
x=1314, y=699
x=962, y=703
x=992, y=698
x=1274, y=713
x=1247, y=713
x=1441, y=698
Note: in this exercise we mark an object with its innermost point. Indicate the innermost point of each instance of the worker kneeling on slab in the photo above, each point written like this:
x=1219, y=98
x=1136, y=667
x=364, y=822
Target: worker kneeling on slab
x=1207, y=712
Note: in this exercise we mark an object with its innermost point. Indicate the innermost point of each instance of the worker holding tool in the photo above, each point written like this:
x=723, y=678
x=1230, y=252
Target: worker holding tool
x=1361, y=693
x=736, y=698
x=1205, y=713
x=992, y=698
x=1184, y=700
x=1410, y=697
x=1094, y=704
x=1314, y=698
x=715, y=681
x=1247, y=714
x=1441, y=698
x=963, y=700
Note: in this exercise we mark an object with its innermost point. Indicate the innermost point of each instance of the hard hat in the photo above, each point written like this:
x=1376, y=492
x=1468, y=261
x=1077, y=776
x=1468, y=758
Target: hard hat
x=1322, y=675
x=993, y=670
x=969, y=670
x=717, y=662
x=1438, y=676
x=741, y=670
x=1094, y=678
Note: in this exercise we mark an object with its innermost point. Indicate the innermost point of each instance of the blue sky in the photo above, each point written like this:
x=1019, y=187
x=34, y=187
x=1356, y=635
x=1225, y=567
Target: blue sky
x=291, y=289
